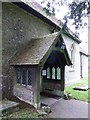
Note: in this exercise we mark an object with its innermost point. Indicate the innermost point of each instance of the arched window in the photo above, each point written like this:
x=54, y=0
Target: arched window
x=58, y=73
x=48, y=73
x=72, y=52
x=53, y=73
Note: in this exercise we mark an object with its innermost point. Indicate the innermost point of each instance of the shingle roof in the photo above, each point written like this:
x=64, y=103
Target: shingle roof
x=35, y=50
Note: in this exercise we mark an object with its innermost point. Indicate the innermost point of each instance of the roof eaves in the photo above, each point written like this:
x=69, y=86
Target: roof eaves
x=41, y=14
x=23, y=64
x=82, y=51
x=45, y=57
x=74, y=37
x=84, y=54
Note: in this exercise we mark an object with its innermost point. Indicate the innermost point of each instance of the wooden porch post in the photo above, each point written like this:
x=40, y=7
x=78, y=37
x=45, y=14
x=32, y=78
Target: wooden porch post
x=62, y=80
x=36, y=87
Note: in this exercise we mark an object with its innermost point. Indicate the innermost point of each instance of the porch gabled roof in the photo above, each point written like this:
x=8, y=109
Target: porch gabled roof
x=38, y=50
x=35, y=50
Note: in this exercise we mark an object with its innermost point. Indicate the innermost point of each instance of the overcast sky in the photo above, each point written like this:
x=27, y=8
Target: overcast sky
x=83, y=32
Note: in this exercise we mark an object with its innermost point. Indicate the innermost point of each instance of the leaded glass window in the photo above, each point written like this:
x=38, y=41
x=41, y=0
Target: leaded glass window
x=48, y=73
x=72, y=51
x=24, y=76
x=53, y=73
x=18, y=75
x=44, y=73
x=58, y=73
x=29, y=77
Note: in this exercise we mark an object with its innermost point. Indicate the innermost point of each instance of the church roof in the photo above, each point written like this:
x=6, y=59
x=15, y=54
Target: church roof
x=36, y=9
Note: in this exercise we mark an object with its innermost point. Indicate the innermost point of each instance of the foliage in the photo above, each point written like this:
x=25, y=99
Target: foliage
x=76, y=94
x=77, y=10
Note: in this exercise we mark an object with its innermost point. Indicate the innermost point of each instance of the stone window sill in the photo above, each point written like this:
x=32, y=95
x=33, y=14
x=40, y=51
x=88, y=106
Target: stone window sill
x=22, y=86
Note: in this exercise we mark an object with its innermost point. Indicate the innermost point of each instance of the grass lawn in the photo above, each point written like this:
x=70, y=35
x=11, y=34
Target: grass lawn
x=78, y=94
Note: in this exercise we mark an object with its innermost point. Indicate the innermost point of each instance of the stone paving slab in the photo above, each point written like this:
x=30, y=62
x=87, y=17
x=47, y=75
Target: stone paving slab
x=69, y=109
x=48, y=100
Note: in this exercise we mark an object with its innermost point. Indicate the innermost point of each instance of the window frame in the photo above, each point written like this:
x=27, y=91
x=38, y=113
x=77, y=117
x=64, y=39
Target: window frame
x=30, y=77
x=58, y=68
x=53, y=73
x=21, y=68
x=72, y=55
x=24, y=75
x=50, y=71
x=18, y=70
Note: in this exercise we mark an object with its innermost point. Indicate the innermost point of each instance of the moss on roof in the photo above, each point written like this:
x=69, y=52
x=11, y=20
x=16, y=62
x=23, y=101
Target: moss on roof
x=34, y=52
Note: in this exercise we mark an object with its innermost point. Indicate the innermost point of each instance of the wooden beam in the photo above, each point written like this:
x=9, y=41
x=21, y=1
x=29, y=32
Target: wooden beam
x=62, y=51
x=62, y=79
x=36, y=86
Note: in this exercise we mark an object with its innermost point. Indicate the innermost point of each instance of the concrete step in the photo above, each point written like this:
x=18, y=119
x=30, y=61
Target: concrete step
x=8, y=107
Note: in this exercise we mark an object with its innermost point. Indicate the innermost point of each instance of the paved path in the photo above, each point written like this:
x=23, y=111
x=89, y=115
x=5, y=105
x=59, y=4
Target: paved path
x=48, y=100
x=69, y=109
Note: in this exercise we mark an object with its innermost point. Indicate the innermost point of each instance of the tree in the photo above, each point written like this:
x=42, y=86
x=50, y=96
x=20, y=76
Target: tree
x=77, y=10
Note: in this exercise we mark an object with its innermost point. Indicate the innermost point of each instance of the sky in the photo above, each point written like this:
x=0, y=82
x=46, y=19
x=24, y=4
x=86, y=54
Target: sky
x=83, y=32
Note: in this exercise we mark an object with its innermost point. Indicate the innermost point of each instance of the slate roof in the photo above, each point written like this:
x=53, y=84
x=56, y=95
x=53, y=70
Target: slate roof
x=36, y=9
x=36, y=49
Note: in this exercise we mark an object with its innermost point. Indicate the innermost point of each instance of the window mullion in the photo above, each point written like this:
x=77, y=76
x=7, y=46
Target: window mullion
x=50, y=72
x=55, y=73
